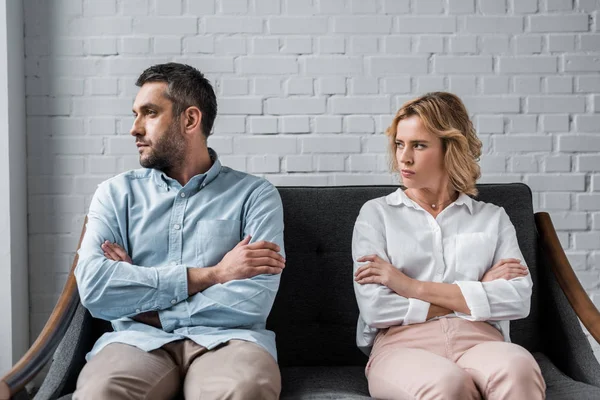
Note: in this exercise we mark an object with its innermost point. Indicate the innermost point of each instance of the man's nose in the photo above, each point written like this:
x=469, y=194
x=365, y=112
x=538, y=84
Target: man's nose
x=136, y=128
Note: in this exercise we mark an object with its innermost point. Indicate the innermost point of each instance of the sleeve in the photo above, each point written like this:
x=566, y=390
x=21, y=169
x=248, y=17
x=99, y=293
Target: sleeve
x=380, y=307
x=113, y=289
x=500, y=299
x=244, y=302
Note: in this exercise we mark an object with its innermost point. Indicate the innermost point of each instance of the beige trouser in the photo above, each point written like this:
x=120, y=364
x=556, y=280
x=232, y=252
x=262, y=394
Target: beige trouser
x=235, y=370
x=451, y=358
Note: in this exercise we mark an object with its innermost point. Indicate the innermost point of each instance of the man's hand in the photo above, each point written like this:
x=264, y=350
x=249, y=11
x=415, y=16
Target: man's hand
x=508, y=268
x=114, y=252
x=382, y=272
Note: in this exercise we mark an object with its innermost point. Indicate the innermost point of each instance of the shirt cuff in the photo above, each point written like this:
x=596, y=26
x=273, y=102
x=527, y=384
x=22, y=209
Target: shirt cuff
x=476, y=299
x=417, y=312
x=169, y=319
x=172, y=286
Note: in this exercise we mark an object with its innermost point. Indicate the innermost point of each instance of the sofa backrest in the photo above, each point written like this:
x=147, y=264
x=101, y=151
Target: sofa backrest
x=315, y=312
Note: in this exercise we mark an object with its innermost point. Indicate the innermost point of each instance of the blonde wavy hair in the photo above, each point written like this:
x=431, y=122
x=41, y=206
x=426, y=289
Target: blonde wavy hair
x=444, y=115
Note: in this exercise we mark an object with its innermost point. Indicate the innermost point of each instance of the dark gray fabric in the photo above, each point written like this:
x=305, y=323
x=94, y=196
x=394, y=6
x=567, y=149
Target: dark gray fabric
x=324, y=383
x=315, y=312
x=561, y=387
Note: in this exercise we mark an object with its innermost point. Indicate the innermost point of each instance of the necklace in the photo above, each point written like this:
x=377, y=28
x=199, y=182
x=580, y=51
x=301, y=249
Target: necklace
x=434, y=206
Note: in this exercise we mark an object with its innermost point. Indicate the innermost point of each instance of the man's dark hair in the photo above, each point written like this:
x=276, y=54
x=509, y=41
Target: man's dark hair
x=186, y=86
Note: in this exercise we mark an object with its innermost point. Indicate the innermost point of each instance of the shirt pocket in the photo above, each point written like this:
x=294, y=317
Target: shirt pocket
x=214, y=239
x=474, y=254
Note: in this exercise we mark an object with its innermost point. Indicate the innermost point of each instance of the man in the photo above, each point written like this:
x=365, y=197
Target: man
x=184, y=257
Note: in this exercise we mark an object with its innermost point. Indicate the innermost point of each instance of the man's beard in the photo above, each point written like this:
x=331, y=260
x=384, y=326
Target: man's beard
x=167, y=152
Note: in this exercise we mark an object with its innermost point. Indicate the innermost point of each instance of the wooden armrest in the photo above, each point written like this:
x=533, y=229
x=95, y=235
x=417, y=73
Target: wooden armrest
x=43, y=348
x=568, y=281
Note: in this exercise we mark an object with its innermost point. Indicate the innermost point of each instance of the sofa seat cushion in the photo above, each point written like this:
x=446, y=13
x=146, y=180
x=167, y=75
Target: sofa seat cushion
x=316, y=383
x=561, y=387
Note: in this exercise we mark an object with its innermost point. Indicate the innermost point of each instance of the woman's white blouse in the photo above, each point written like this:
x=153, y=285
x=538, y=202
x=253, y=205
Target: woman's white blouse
x=458, y=246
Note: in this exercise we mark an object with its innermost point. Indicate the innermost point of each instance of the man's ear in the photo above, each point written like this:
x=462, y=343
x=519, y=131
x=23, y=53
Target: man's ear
x=193, y=119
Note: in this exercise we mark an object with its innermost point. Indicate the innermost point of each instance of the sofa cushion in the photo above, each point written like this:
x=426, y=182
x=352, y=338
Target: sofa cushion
x=308, y=383
x=560, y=387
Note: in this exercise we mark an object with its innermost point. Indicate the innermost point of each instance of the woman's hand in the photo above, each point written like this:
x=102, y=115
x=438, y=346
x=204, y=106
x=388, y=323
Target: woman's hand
x=508, y=268
x=114, y=252
x=382, y=272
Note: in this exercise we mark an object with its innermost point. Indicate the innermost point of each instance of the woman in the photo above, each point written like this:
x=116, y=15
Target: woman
x=439, y=275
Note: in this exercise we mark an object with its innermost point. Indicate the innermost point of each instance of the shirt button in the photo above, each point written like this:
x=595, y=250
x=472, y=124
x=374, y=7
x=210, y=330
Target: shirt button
x=177, y=227
x=182, y=194
x=173, y=301
x=137, y=310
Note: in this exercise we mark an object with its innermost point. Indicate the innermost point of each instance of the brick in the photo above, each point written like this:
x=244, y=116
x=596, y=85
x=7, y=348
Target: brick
x=300, y=7
x=587, y=123
x=364, y=86
x=295, y=124
x=396, y=44
x=396, y=85
x=524, y=164
x=265, y=45
x=135, y=7
x=556, y=182
x=561, y=42
x=463, y=44
x=463, y=85
x=264, y=163
x=492, y=104
x=560, y=23
x=528, y=44
x=525, y=6
x=134, y=45
x=298, y=163
x=375, y=144
x=477, y=24
x=240, y=105
x=166, y=25
x=520, y=143
x=330, y=163
x=494, y=45
x=427, y=84
x=102, y=165
x=298, y=180
x=267, y=65
x=328, y=124
x=331, y=45
x=559, y=84
x=295, y=105
x=68, y=86
x=382, y=66
x=362, y=24
x=262, y=125
x=102, y=126
x=492, y=163
x=579, y=143
x=590, y=42
x=492, y=6
x=260, y=144
x=490, y=124
x=333, y=65
x=556, y=201
x=524, y=64
x=297, y=45
x=427, y=25
x=362, y=162
x=198, y=44
x=334, y=7
x=102, y=46
x=229, y=124
x=359, y=105
x=555, y=123
x=56, y=165
x=588, y=202
x=461, y=6
x=297, y=25
x=267, y=86
x=596, y=226
x=587, y=241
x=363, y=6
x=495, y=84
x=233, y=6
x=98, y=9
x=62, y=47
x=48, y=105
x=559, y=5
x=331, y=85
x=555, y=104
x=559, y=163
x=101, y=106
x=430, y=44
x=596, y=183
x=522, y=124
x=363, y=45
x=330, y=144
x=231, y=45
x=267, y=7
x=56, y=126
x=359, y=124
x=462, y=64
x=237, y=163
x=428, y=7
x=581, y=63
x=364, y=179
x=234, y=86
x=528, y=84
x=299, y=86
x=396, y=6
x=588, y=163
x=233, y=24
x=587, y=84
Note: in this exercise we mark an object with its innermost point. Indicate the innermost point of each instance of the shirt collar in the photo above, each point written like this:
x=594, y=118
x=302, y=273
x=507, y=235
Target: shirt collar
x=161, y=179
x=400, y=198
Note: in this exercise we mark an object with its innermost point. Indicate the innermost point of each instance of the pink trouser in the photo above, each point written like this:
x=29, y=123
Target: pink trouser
x=451, y=358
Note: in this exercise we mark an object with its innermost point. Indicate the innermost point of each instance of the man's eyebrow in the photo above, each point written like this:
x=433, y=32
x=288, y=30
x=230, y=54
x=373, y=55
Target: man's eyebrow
x=147, y=106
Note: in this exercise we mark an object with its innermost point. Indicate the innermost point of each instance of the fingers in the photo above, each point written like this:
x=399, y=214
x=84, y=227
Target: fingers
x=371, y=257
x=267, y=261
x=506, y=261
x=369, y=279
x=364, y=271
x=244, y=241
x=109, y=252
x=266, y=253
x=263, y=244
x=265, y=269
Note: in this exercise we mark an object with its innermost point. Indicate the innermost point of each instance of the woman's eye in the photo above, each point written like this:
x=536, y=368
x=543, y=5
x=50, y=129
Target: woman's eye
x=399, y=145
x=419, y=146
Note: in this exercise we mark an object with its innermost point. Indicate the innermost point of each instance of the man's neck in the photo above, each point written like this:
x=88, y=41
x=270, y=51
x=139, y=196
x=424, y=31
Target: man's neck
x=194, y=164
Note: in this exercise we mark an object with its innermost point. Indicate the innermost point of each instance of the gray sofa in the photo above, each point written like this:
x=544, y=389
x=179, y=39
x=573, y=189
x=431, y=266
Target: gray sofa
x=315, y=311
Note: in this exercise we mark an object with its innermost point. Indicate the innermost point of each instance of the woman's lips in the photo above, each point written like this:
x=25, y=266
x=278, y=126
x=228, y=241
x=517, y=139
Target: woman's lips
x=406, y=173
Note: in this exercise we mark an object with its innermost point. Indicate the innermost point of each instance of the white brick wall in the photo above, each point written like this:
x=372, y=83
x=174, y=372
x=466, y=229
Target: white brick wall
x=306, y=89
